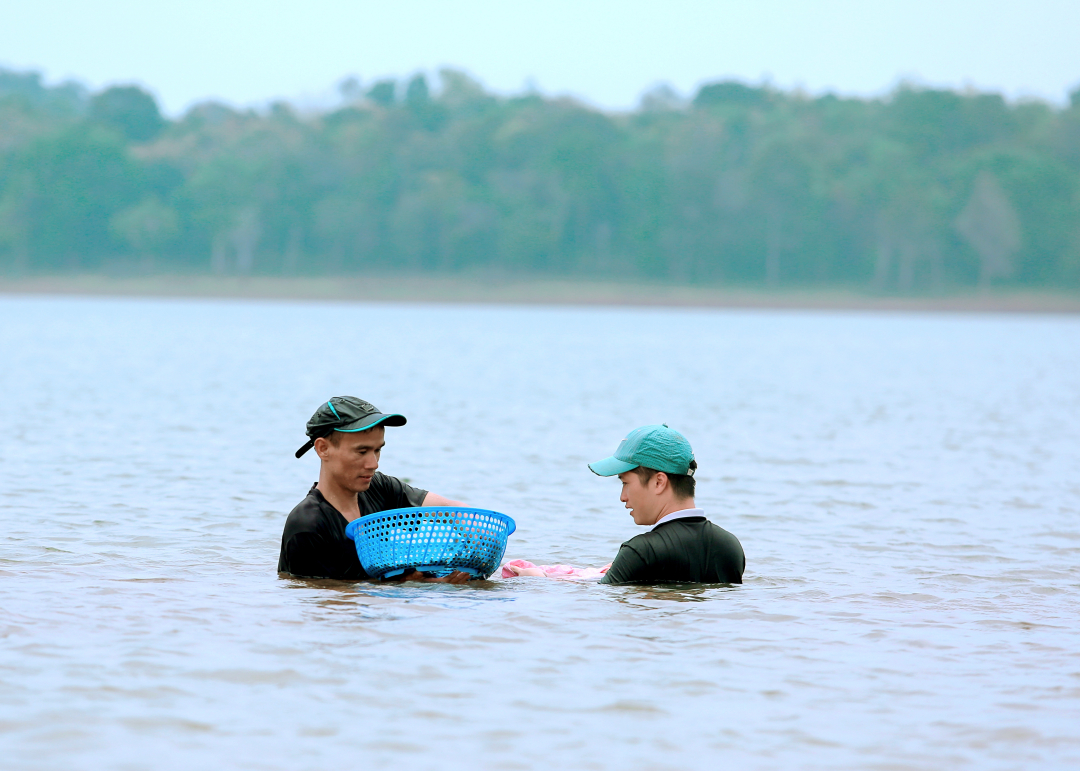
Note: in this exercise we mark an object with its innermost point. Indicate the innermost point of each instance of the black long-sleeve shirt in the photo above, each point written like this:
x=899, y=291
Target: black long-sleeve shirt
x=685, y=550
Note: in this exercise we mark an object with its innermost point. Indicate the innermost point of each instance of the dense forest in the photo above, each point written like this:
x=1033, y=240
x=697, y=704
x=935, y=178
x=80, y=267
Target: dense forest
x=922, y=190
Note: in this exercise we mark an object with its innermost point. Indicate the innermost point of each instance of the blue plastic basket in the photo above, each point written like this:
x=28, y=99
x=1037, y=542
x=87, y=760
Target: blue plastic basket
x=432, y=539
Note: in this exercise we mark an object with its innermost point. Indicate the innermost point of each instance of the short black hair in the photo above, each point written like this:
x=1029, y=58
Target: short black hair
x=334, y=437
x=683, y=485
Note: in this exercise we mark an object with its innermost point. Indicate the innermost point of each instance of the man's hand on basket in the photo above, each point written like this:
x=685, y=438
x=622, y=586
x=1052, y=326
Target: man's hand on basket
x=457, y=577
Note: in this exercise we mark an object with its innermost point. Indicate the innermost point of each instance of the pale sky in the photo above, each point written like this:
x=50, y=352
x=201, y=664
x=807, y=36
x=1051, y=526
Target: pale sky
x=604, y=52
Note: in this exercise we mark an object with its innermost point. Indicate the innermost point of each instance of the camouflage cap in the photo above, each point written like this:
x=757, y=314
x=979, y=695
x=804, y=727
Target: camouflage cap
x=348, y=415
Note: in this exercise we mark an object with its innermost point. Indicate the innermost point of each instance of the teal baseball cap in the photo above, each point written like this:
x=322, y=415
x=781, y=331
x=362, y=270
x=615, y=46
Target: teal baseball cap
x=655, y=447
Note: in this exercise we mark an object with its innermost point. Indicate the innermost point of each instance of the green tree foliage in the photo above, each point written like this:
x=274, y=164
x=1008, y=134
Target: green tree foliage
x=730, y=93
x=920, y=191
x=61, y=191
x=147, y=228
x=383, y=92
x=129, y=110
x=26, y=87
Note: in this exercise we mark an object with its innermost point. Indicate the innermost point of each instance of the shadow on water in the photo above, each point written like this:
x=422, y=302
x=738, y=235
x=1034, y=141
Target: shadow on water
x=673, y=592
x=333, y=592
x=350, y=591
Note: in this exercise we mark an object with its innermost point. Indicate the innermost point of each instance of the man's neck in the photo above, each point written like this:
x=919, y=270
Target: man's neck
x=672, y=506
x=340, y=498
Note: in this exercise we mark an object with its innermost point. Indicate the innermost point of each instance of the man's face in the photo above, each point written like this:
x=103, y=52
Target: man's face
x=640, y=499
x=353, y=460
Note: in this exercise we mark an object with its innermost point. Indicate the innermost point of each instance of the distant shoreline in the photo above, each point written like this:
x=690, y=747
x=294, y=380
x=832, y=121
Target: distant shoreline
x=523, y=291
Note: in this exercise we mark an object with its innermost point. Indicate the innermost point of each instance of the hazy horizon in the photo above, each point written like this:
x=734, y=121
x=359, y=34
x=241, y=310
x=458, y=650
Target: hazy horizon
x=218, y=51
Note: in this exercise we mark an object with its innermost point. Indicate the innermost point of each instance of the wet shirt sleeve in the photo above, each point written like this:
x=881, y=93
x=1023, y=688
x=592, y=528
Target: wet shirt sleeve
x=628, y=568
x=413, y=496
x=392, y=493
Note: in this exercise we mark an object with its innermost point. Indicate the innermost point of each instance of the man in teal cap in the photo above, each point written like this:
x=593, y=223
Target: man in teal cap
x=348, y=435
x=656, y=467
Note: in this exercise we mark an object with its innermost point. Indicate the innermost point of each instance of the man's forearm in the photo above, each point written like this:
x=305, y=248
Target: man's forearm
x=434, y=499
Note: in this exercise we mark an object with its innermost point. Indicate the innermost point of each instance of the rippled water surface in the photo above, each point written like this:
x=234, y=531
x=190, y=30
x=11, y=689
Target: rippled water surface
x=906, y=488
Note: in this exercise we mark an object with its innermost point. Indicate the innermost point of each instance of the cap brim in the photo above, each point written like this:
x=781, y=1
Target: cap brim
x=368, y=421
x=372, y=420
x=609, y=467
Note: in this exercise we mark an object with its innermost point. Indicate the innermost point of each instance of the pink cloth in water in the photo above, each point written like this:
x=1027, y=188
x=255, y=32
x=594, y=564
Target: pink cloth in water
x=526, y=568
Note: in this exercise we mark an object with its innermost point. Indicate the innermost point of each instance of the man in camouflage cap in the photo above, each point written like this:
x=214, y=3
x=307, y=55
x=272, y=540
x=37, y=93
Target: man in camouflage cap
x=348, y=435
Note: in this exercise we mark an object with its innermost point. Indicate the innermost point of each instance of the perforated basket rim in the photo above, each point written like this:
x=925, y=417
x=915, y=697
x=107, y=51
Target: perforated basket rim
x=355, y=525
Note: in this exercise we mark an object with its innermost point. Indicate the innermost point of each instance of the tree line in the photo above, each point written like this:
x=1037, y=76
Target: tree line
x=921, y=190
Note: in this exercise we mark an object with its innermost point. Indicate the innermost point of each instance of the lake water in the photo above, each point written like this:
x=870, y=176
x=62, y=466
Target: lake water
x=906, y=488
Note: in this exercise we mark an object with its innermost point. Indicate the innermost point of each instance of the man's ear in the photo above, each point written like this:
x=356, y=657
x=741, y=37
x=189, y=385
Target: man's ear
x=322, y=445
x=660, y=482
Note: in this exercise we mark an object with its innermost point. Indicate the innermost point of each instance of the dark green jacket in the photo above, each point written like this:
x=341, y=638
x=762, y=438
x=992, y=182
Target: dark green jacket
x=687, y=550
